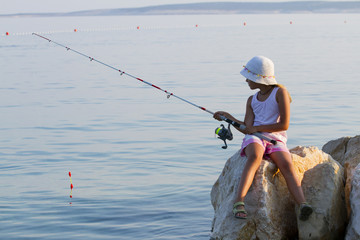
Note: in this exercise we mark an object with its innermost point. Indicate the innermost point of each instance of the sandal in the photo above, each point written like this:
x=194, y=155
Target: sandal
x=236, y=211
x=305, y=211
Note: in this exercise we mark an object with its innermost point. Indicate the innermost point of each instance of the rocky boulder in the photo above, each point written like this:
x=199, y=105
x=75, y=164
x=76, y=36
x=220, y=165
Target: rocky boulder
x=353, y=230
x=272, y=212
x=347, y=152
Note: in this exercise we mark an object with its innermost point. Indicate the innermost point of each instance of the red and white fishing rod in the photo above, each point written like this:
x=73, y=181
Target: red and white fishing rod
x=235, y=124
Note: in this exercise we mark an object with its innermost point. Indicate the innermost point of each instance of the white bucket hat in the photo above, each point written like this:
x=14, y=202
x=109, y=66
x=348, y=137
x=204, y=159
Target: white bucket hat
x=260, y=70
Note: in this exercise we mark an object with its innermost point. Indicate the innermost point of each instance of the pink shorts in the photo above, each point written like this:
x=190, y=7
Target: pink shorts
x=267, y=146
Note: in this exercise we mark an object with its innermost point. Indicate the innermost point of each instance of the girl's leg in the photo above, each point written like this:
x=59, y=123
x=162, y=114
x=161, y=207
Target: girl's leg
x=254, y=153
x=284, y=162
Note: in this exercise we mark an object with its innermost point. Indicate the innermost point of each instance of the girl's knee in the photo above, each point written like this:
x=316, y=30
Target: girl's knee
x=254, y=152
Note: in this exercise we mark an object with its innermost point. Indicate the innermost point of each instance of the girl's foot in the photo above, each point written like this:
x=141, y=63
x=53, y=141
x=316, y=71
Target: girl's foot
x=239, y=210
x=305, y=211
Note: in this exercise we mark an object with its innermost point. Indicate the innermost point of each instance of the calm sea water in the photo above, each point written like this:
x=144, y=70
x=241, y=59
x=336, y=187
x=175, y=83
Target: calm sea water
x=143, y=165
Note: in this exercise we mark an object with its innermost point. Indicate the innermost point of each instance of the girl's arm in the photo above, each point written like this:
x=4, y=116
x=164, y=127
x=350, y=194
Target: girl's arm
x=248, y=116
x=283, y=99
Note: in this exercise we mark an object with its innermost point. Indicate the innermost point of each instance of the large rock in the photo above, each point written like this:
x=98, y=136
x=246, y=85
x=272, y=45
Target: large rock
x=347, y=151
x=271, y=208
x=324, y=186
x=353, y=230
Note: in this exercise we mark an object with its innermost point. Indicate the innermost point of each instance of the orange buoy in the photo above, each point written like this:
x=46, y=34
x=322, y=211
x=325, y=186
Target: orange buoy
x=75, y=30
x=7, y=33
x=138, y=27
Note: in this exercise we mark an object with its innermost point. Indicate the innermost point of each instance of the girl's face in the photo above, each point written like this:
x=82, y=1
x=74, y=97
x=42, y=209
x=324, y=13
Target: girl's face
x=252, y=84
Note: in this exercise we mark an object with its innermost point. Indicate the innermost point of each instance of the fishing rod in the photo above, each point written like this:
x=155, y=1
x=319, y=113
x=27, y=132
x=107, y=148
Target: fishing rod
x=222, y=132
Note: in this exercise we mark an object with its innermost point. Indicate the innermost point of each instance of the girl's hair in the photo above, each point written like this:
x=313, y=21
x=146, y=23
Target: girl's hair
x=282, y=86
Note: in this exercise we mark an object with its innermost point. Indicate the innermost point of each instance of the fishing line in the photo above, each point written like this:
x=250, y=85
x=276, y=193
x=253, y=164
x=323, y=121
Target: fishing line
x=224, y=133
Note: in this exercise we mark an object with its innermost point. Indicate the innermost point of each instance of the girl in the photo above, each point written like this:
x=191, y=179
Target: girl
x=268, y=112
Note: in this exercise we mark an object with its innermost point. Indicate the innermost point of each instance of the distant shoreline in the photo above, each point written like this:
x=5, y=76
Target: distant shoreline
x=214, y=8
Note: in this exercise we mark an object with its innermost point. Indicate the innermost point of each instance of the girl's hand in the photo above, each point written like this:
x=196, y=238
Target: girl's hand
x=250, y=130
x=218, y=115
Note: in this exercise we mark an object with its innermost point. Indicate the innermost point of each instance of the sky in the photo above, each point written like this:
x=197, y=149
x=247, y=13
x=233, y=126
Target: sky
x=40, y=6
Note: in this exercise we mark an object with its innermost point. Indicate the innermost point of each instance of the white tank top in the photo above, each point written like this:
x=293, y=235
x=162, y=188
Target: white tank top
x=267, y=112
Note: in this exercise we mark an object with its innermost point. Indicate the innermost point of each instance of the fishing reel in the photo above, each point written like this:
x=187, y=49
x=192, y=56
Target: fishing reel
x=224, y=134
